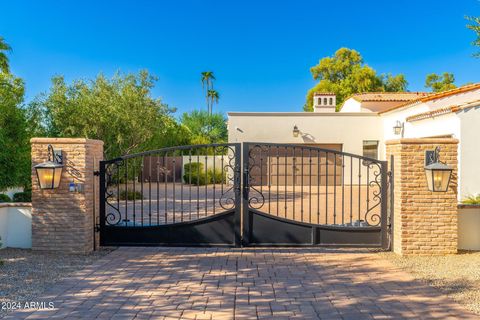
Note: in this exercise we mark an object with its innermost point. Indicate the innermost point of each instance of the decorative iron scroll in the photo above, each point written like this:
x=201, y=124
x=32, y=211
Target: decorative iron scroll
x=256, y=199
x=331, y=206
x=112, y=214
x=371, y=218
x=231, y=169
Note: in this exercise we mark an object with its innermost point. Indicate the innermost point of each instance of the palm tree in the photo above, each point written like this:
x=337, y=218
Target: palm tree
x=207, y=84
x=3, y=56
x=212, y=97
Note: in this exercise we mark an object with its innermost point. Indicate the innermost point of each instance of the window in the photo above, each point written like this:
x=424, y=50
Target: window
x=324, y=101
x=370, y=149
x=331, y=101
x=319, y=101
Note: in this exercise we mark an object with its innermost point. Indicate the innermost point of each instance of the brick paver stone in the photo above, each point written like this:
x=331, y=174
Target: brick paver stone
x=212, y=283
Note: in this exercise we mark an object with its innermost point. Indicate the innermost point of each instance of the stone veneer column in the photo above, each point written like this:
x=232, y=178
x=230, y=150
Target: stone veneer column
x=63, y=220
x=424, y=222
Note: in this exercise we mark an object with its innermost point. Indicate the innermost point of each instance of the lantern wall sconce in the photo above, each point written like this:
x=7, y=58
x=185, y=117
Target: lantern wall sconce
x=295, y=132
x=398, y=128
x=49, y=173
x=438, y=174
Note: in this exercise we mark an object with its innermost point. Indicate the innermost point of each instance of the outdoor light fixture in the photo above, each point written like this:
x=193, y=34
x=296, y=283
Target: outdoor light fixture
x=50, y=172
x=438, y=173
x=296, y=132
x=398, y=128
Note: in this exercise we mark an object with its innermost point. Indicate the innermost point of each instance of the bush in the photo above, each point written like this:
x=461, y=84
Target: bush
x=25, y=196
x=4, y=198
x=194, y=173
x=192, y=170
x=130, y=195
x=472, y=199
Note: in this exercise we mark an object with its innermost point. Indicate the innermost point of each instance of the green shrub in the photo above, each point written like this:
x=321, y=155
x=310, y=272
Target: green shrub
x=25, y=196
x=194, y=173
x=218, y=176
x=130, y=195
x=472, y=199
x=4, y=198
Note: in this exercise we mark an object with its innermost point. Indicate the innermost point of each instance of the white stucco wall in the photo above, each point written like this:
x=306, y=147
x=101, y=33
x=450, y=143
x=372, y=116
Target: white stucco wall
x=348, y=129
x=468, y=226
x=463, y=126
x=16, y=225
x=469, y=151
x=351, y=105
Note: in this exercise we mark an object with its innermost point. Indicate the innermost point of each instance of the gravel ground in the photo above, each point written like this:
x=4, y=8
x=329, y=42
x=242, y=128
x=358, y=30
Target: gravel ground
x=25, y=274
x=458, y=275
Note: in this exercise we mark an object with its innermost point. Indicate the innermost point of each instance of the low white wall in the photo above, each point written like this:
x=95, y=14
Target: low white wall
x=469, y=227
x=16, y=225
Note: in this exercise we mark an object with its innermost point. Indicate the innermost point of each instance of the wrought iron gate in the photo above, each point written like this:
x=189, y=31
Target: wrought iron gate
x=289, y=195
x=143, y=201
x=303, y=195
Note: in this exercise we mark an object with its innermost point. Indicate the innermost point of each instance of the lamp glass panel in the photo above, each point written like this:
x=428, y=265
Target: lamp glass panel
x=429, y=175
x=58, y=175
x=440, y=179
x=45, y=177
x=49, y=178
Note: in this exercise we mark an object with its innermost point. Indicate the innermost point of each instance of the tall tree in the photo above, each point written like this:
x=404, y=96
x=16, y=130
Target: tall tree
x=213, y=97
x=475, y=27
x=345, y=73
x=205, y=128
x=120, y=111
x=14, y=146
x=4, y=48
x=438, y=83
x=207, y=84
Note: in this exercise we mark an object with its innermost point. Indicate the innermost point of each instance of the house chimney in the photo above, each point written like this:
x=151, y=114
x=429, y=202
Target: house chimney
x=324, y=102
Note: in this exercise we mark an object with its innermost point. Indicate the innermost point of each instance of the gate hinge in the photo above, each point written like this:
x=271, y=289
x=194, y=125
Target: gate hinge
x=96, y=173
x=97, y=227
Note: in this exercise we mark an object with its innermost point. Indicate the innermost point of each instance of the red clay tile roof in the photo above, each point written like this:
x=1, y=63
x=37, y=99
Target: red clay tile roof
x=434, y=96
x=443, y=111
x=388, y=96
x=324, y=94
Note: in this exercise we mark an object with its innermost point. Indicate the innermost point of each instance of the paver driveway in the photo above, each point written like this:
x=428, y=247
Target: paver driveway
x=187, y=283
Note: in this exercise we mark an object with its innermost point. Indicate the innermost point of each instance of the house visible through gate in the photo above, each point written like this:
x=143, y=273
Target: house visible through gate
x=246, y=194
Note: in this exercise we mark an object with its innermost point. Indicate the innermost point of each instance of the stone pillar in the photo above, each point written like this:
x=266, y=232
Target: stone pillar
x=424, y=222
x=64, y=220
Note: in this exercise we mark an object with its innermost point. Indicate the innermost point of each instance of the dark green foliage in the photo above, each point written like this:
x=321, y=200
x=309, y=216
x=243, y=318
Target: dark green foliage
x=119, y=110
x=130, y=195
x=439, y=83
x=206, y=128
x=4, y=198
x=14, y=139
x=194, y=173
x=25, y=196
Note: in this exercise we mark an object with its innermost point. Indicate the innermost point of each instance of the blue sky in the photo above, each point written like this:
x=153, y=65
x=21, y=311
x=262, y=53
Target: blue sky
x=260, y=51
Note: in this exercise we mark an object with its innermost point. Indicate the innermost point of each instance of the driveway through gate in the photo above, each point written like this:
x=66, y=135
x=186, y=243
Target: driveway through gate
x=250, y=194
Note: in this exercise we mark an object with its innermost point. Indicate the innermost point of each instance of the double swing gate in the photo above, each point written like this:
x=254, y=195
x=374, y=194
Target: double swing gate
x=250, y=194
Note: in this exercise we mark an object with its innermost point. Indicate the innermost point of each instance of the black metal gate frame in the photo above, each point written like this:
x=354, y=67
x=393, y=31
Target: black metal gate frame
x=258, y=226
x=242, y=224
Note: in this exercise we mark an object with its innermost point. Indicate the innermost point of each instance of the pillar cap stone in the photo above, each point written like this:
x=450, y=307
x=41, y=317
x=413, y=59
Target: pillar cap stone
x=422, y=141
x=65, y=141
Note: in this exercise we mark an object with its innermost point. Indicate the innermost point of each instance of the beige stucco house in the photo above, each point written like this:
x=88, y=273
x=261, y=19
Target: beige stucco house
x=365, y=121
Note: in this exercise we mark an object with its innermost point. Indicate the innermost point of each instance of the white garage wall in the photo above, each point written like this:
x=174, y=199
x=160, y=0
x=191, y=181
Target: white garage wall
x=348, y=129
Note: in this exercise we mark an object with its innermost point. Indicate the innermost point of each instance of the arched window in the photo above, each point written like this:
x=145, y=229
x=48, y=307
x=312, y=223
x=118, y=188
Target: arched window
x=331, y=101
x=324, y=101
x=319, y=101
